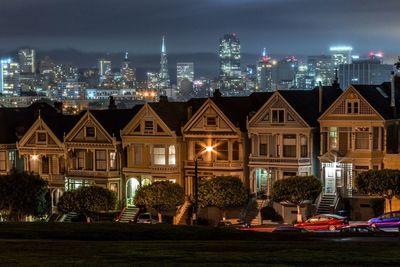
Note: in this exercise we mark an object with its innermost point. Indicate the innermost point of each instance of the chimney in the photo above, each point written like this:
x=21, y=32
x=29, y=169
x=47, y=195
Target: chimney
x=217, y=93
x=189, y=112
x=320, y=91
x=58, y=105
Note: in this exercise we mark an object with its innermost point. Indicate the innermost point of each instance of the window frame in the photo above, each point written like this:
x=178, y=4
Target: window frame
x=280, y=116
x=86, y=132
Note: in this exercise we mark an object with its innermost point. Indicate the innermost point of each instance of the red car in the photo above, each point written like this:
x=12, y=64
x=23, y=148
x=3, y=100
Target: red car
x=329, y=222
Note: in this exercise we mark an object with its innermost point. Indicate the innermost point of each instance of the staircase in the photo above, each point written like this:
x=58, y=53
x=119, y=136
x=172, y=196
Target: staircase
x=128, y=214
x=181, y=213
x=253, y=214
x=68, y=217
x=326, y=204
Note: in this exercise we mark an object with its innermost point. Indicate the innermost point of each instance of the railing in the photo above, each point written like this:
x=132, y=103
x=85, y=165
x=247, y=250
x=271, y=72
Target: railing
x=163, y=169
x=216, y=164
x=181, y=211
x=280, y=160
x=90, y=173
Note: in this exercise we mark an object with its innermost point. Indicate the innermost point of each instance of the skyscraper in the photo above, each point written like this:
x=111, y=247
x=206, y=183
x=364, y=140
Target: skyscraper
x=104, y=67
x=9, y=77
x=27, y=60
x=184, y=71
x=365, y=71
x=229, y=57
x=264, y=73
x=163, y=76
x=340, y=55
x=128, y=73
x=321, y=69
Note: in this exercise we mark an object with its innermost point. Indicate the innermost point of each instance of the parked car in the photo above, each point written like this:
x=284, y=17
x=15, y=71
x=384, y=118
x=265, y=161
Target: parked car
x=233, y=223
x=359, y=229
x=289, y=229
x=387, y=220
x=146, y=218
x=329, y=222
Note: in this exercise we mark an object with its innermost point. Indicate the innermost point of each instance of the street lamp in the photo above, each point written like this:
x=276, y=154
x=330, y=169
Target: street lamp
x=196, y=183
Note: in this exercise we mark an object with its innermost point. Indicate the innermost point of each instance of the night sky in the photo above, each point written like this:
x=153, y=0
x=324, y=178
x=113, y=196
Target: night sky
x=282, y=26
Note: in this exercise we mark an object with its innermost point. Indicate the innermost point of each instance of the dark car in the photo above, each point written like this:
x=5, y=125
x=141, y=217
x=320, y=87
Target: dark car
x=329, y=222
x=289, y=229
x=359, y=229
x=387, y=220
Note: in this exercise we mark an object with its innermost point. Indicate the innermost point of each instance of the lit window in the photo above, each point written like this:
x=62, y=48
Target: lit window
x=137, y=153
x=171, y=155
x=148, y=127
x=333, y=138
x=113, y=161
x=303, y=146
x=263, y=145
x=289, y=145
x=2, y=160
x=159, y=155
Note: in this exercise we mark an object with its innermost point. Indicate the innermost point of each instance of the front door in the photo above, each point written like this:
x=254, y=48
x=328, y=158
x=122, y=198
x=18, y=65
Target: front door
x=330, y=180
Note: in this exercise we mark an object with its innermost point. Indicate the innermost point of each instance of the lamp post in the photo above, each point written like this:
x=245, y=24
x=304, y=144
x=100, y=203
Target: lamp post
x=196, y=182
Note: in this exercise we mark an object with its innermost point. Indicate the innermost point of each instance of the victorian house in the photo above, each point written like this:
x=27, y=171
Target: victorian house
x=94, y=152
x=358, y=132
x=284, y=136
x=154, y=147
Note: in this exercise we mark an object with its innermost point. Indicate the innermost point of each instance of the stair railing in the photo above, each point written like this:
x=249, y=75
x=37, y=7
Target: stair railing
x=120, y=215
x=181, y=211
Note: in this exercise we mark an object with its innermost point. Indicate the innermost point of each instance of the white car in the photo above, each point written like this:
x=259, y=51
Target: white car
x=146, y=218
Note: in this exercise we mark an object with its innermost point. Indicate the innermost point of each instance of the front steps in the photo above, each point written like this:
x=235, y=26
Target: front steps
x=326, y=204
x=129, y=214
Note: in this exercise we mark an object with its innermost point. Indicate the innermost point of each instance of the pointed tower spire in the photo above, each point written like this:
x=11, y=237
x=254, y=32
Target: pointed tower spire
x=264, y=53
x=163, y=45
x=126, y=56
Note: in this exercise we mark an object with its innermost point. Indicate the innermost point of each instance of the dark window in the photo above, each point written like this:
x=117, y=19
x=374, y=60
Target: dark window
x=303, y=147
x=89, y=160
x=235, y=150
x=137, y=129
x=45, y=165
x=278, y=116
x=211, y=121
x=41, y=137
x=222, y=150
x=289, y=145
x=263, y=145
x=90, y=132
x=197, y=149
x=148, y=127
x=375, y=140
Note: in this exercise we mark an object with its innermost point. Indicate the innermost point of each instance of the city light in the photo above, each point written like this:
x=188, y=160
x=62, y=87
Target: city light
x=341, y=48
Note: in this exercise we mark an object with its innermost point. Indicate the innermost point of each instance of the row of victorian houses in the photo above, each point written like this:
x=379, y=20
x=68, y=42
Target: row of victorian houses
x=326, y=132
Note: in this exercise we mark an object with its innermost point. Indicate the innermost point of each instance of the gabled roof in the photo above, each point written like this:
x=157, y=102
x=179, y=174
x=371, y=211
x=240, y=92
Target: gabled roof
x=378, y=96
x=173, y=114
x=306, y=102
x=15, y=122
x=114, y=120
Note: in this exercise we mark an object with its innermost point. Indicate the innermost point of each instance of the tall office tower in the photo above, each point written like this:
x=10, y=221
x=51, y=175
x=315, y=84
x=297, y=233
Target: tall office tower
x=153, y=81
x=104, y=67
x=163, y=76
x=283, y=73
x=229, y=58
x=27, y=60
x=365, y=71
x=9, y=77
x=128, y=73
x=340, y=55
x=302, y=78
x=184, y=71
x=264, y=73
x=321, y=69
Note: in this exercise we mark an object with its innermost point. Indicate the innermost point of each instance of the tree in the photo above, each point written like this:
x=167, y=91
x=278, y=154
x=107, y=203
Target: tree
x=23, y=194
x=88, y=200
x=296, y=190
x=384, y=183
x=160, y=196
x=223, y=192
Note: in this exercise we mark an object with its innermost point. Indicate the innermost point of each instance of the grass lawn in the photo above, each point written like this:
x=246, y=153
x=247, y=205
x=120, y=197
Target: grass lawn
x=65, y=245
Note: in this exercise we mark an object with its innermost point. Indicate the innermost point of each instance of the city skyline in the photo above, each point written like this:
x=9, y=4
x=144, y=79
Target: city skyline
x=290, y=26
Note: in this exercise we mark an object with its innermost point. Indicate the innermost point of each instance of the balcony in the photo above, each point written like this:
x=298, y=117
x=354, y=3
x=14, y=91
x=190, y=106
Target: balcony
x=214, y=164
x=93, y=174
x=54, y=178
x=279, y=161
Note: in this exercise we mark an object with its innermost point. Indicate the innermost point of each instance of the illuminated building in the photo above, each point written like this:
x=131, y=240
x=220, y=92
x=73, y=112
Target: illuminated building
x=264, y=73
x=365, y=71
x=128, y=73
x=320, y=69
x=9, y=77
x=104, y=67
x=164, y=81
x=27, y=60
x=283, y=73
x=302, y=78
x=153, y=80
x=184, y=71
x=229, y=58
x=340, y=55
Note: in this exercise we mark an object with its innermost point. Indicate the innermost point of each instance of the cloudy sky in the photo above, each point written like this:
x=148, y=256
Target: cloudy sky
x=282, y=26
